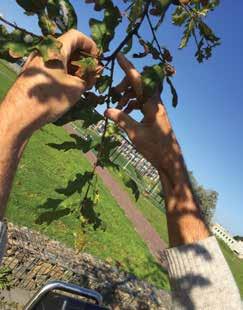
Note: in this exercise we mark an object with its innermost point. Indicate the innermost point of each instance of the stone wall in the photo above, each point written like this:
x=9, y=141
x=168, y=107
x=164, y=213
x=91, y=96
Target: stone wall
x=34, y=259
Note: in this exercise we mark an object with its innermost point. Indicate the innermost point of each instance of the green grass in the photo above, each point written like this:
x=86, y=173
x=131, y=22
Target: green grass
x=35, y=203
x=7, y=77
x=235, y=264
x=153, y=214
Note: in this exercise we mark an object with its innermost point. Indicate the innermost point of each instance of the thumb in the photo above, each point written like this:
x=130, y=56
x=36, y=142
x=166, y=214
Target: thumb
x=123, y=120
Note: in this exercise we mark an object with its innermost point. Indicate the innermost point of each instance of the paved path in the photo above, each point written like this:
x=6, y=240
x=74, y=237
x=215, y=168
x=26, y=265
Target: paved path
x=140, y=223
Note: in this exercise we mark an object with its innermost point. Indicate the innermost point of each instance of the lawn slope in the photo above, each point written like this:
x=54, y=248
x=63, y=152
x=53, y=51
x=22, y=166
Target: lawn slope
x=39, y=201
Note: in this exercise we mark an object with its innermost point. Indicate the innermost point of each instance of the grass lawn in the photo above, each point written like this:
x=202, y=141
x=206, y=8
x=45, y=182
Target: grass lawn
x=236, y=265
x=7, y=77
x=37, y=201
x=153, y=214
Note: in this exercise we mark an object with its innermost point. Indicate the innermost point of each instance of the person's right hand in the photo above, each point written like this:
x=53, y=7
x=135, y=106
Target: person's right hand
x=153, y=137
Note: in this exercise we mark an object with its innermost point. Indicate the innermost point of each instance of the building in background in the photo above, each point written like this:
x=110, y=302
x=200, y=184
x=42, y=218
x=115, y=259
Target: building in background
x=236, y=246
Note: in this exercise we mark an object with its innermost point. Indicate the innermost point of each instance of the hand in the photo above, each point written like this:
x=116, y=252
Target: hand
x=45, y=91
x=153, y=137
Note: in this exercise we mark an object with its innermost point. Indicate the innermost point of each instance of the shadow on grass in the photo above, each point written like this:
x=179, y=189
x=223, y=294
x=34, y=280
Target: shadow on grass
x=130, y=183
x=79, y=144
x=91, y=217
x=76, y=185
x=85, y=210
x=54, y=213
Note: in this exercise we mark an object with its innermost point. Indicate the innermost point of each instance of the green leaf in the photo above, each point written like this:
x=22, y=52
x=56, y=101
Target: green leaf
x=179, y=16
x=98, y=30
x=127, y=47
x=153, y=51
x=199, y=53
x=173, y=92
x=102, y=4
x=62, y=13
x=103, y=31
x=83, y=110
x=207, y=32
x=49, y=48
x=53, y=8
x=208, y=52
x=91, y=117
x=136, y=11
x=46, y=24
x=105, y=149
x=152, y=78
x=189, y=27
x=17, y=44
x=32, y=6
x=14, y=45
x=84, y=67
x=103, y=83
x=69, y=16
x=211, y=5
x=113, y=131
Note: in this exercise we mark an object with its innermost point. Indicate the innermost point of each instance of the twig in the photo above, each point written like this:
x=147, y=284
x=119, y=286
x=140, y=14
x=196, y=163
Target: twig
x=18, y=28
x=104, y=131
x=195, y=38
x=154, y=36
x=159, y=22
x=107, y=106
x=110, y=85
x=130, y=34
x=128, y=8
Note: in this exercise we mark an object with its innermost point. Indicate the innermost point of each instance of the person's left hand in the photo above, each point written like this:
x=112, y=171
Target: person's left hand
x=45, y=91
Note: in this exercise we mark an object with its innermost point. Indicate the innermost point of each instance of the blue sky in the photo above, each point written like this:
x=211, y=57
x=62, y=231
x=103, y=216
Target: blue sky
x=208, y=119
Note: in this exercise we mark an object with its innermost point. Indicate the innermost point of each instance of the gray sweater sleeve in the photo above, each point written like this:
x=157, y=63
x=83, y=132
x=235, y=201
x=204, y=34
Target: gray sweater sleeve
x=200, y=277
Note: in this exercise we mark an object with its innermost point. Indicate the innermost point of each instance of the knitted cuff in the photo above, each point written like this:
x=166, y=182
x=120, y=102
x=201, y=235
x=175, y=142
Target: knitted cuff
x=200, y=277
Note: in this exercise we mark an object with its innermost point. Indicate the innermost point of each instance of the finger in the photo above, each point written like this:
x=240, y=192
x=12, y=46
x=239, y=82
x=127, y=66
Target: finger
x=125, y=98
x=132, y=105
x=122, y=86
x=75, y=87
x=74, y=40
x=123, y=120
x=134, y=77
x=28, y=61
x=99, y=70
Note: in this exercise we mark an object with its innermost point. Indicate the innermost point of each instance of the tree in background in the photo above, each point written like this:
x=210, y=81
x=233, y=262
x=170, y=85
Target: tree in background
x=207, y=199
x=238, y=238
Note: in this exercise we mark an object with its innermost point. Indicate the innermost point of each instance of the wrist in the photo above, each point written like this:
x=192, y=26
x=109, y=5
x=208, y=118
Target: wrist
x=185, y=222
x=19, y=115
x=172, y=164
